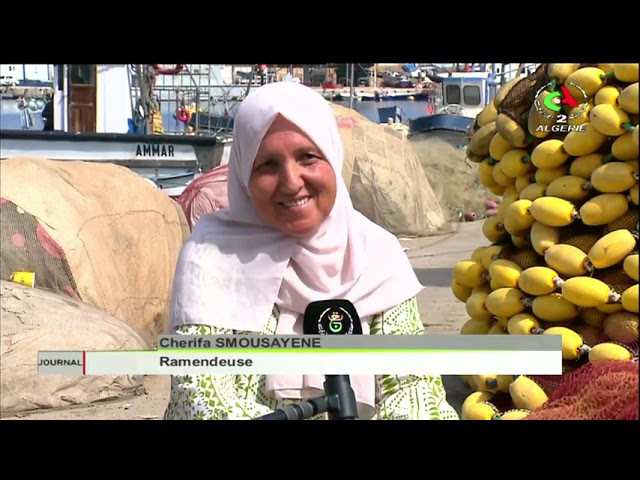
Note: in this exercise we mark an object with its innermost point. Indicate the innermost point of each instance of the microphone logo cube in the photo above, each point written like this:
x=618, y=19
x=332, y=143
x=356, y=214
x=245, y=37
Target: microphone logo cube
x=335, y=321
x=332, y=317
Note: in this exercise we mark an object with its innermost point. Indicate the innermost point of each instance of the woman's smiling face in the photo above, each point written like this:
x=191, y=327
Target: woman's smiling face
x=292, y=186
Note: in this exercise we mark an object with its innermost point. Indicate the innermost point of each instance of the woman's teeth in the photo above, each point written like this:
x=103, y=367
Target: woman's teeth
x=296, y=203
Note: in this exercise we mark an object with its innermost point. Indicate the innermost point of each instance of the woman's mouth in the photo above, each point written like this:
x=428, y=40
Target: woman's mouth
x=295, y=203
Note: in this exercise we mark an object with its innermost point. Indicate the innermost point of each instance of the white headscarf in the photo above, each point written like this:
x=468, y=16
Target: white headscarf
x=234, y=267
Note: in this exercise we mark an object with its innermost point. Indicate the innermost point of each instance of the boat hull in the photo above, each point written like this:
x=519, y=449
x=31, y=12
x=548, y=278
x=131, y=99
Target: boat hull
x=170, y=161
x=396, y=97
x=440, y=121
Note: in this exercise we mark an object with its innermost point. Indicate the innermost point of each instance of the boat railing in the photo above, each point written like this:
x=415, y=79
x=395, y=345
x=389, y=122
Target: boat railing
x=509, y=71
x=207, y=94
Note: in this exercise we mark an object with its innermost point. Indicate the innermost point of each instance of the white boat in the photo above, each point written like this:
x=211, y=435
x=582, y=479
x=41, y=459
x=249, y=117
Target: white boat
x=167, y=160
x=97, y=115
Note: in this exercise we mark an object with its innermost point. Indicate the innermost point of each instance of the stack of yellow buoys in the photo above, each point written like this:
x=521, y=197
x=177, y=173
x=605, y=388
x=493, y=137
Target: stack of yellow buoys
x=561, y=255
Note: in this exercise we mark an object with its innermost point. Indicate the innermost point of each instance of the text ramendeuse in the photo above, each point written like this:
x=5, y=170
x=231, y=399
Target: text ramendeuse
x=248, y=342
x=205, y=362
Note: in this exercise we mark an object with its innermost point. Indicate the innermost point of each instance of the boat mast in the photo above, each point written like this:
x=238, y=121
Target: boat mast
x=144, y=98
x=352, y=89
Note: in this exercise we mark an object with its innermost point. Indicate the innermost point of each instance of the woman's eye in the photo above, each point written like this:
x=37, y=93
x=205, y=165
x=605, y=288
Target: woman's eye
x=267, y=164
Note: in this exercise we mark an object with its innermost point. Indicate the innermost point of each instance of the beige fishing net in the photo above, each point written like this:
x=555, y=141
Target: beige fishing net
x=95, y=232
x=36, y=320
x=384, y=176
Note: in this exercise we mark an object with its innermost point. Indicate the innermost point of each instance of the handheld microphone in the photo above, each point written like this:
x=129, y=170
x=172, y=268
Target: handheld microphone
x=335, y=317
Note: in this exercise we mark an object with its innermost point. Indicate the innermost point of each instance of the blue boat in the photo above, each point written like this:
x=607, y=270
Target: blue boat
x=464, y=97
x=465, y=94
x=441, y=121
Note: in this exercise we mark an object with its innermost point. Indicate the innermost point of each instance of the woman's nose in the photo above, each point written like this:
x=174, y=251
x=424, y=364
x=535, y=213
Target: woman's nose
x=291, y=179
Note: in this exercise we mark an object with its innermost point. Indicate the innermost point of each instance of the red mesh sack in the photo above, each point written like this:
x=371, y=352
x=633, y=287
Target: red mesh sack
x=602, y=391
x=27, y=247
x=205, y=194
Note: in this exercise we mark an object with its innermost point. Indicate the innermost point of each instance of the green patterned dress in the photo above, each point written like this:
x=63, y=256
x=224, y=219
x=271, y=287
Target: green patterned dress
x=241, y=397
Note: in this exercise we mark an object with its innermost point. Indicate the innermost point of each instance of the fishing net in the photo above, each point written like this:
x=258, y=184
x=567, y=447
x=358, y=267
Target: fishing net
x=36, y=320
x=385, y=178
x=27, y=248
x=92, y=231
x=601, y=391
x=622, y=329
x=205, y=194
x=616, y=278
x=520, y=98
x=583, y=392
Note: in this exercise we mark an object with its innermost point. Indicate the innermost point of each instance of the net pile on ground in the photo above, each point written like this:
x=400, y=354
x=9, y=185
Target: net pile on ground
x=36, y=320
x=454, y=180
x=95, y=232
x=562, y=252
x=386, y=181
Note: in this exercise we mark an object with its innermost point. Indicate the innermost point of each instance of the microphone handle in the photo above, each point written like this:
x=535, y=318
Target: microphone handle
x=299, y=411
x=339, y=387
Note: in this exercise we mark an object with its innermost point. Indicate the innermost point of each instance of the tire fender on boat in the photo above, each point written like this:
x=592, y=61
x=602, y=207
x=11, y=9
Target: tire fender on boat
x=168, y=71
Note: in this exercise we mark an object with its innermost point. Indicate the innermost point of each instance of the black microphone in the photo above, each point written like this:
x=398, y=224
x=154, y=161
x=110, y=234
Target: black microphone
x=335, y=317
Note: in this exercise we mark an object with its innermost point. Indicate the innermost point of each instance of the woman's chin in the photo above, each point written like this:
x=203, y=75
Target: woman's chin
x=300, y=228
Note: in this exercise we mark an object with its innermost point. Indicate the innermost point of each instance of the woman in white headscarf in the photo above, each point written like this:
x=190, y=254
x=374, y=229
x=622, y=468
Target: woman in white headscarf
x=290, y=237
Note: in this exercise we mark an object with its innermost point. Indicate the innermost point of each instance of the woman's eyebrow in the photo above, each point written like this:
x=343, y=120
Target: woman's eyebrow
x=298, y=151
x=307, y=149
